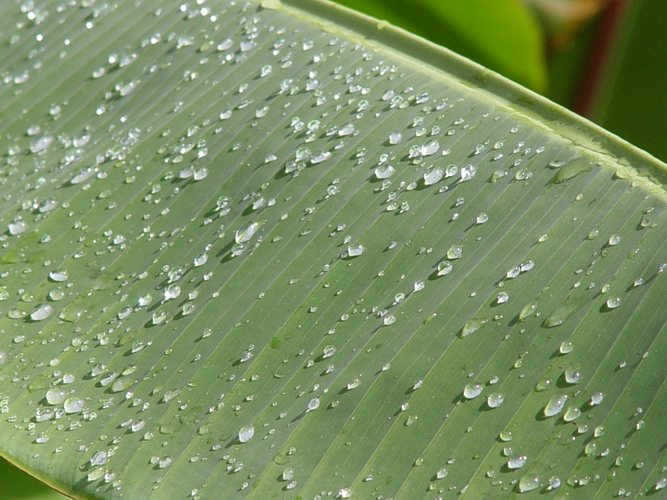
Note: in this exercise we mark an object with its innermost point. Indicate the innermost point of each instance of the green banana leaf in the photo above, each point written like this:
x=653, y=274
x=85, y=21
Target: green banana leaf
x=282, y=250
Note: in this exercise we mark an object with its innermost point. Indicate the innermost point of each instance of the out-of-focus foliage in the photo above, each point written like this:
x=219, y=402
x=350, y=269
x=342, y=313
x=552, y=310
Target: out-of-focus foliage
x=503, y=35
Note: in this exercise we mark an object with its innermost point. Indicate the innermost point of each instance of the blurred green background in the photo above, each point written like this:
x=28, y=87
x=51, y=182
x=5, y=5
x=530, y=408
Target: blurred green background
x=605, y=59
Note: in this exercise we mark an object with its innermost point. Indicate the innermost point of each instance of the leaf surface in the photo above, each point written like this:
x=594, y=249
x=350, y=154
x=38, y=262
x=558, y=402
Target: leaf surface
x=281, y=249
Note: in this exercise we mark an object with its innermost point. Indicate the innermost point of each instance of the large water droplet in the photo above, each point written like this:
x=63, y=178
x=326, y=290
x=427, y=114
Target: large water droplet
x=246, y=233
x=471, y=391
x=555, y=405
x=572, y=375
x=433, y=176
x=529, y=483
x=41, y=312
x=495, y=399
x=56, y=395
x=246, y=433
x=517, y=462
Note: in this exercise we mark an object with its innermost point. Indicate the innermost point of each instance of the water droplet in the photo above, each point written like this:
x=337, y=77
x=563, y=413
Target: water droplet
x=572, y=169
x=433, y=176
x=554, y=483
x=246, y=433
x=505, y=436
x=73, y=405
x=388, y=319
x=328, y=351
x=171, y=292
x=353, y=384
x=430, y=148
x=17, y=227
x=502, y=298
x=572, y=375
x=467, y=173
x=444, y=267
x=455, y=252
x=395, y=138
x=56, y=396
x=384, y=171
x=121, y=384
x=345, y=493
x=494, y=400
x=145, y=300
x=99, y=458
x=527, y=265
x=614, y=240
x=559, y=316
x=313, y=404
x=566, y=347
x=288, y=474
x=517, y=462
x=572, y=413
x=471, y=326
x=613, y=302
x=58, y=276
x=555, y=405
x=355, y=250
x=158, y=317
x=513, y=272
x=41, y=312
x=471, y=391
x=527, y=311
x=482, y=218
x=529, y=483
x=244, y=234
x=441, y=474
x=596, y=399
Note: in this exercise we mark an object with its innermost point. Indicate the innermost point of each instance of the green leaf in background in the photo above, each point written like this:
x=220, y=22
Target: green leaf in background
x=284, y=250
x=501, y=34
x=636, y=76
x=17, y=485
